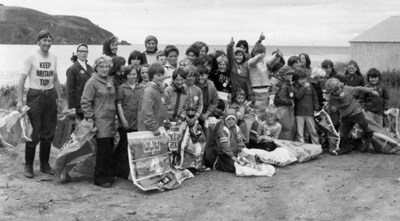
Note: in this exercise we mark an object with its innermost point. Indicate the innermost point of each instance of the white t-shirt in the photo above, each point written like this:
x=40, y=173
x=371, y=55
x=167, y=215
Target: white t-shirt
x=41, y=71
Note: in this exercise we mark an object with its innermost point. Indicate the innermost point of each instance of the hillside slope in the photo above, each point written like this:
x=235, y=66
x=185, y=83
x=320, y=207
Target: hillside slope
x=20, y=26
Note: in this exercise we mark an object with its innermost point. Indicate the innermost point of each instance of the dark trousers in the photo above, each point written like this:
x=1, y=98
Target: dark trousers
x=347, y=124
x=43, y=117
x=225, y=163
x=120, y=159
x=102, y=170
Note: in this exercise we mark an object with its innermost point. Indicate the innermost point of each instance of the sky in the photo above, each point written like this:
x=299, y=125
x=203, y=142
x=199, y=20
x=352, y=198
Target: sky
x=283, y=22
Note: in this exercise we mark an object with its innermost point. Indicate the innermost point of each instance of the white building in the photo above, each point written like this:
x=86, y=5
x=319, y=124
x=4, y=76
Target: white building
x=378, y=47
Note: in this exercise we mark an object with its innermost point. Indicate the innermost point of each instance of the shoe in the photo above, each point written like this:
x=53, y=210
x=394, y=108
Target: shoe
x=105, y=185
x=28, y=173
x=45, y=168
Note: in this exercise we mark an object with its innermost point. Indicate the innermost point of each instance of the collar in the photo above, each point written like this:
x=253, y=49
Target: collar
x=82, y=63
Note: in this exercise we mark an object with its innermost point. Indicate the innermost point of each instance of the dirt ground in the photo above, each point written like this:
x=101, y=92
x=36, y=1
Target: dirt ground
x=357, y=186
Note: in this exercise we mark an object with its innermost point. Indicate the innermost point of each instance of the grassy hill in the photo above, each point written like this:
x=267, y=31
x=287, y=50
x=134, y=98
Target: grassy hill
x=21, y=25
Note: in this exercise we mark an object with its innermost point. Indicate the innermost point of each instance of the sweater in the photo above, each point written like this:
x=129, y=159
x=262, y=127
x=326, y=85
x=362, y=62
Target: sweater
x=306, y=101
x=375, y=104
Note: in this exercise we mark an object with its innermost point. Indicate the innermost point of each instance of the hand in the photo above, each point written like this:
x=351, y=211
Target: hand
x=125, y=124
x=375, y=93
x=232, y=42
x=261, y=56
x=262, y=37
x=192, y=121
x=307, y=85
x=20, y=104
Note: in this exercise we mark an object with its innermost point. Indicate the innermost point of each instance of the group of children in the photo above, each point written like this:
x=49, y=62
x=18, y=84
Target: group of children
x=230, y=85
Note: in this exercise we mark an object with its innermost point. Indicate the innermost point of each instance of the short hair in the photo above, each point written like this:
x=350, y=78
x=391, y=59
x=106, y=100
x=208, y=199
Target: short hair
x=74, y=56
x=203, y=59
x=373, y=72
x=327, y=63
x=201, y=69
x=100, y=60
x=223, y=59
x=179, y=71
x=318, y=73
x=44, y=34
x=237, y=93
x=160, y=54
x=140, y=71
x=292, y=60
x=243, y=43
x=298, y=74
x=154, y=69
x=135, y=55
x=117, y=61
x=194, y=50
x=308, y=61
x=128, y=70
x=199, y=45
x=271, y=111
x=191, y=70
x=333, y=85
x=106, y=45
x=170, y=48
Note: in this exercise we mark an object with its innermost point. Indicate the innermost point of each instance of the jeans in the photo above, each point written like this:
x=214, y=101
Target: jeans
x=309, y=121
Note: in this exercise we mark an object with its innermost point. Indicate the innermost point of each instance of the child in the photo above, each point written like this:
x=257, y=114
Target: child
x=353, y=75
x=319, y=76
x=176, y=96
x=221, y=77
x=144, y=77
x=127, y=99
x=136, y=60
x=192, y=53
x=342, y=98
x=239, y=69
x=284, y=101
x=375, y=106
x=306, y=102
x=161, y=58
x=195, y=96
x=269, y=129
x=239, y=105
x=150, y=55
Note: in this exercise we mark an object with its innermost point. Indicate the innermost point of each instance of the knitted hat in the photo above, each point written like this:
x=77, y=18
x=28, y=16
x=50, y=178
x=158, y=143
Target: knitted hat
x=149, y=38
x=239, y=49
x=285, y=70
x=229, y=113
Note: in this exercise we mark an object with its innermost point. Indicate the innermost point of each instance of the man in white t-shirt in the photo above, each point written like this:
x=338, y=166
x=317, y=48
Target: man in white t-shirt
x=43, y=101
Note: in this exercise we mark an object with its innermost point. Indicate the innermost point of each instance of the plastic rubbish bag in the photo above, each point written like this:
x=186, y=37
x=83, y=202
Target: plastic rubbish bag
x=65, y=125
x=248, y=167
x=16, y=128
x=279, y=156
x=302, y=151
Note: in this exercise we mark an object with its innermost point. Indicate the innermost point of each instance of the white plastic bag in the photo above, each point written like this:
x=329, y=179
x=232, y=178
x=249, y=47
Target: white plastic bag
x=16, y=128
x=248, y=167
x=280, y=156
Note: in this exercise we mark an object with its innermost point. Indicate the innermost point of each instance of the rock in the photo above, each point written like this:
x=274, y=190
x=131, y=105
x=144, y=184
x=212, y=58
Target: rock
x=131, y=213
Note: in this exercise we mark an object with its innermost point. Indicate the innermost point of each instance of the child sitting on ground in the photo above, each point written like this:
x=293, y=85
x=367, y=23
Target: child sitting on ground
x=342, y=98
x=375, y=106
x=305, y=103
x=269, y=129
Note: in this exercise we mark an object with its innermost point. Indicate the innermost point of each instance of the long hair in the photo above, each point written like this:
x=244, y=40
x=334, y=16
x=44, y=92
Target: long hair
x=308, y=60
x=117, y=61
x=106, y=45
x=354, y=63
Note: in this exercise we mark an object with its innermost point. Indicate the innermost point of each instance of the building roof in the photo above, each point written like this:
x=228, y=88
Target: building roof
x=386, y=31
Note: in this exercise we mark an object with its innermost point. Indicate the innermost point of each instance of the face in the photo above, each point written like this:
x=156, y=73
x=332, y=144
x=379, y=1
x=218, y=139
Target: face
x=151, y=46
x=202, y=78
x=239, y=57
x=179, y=81
x=172, y=58
x=190, y=79
x=82, y=53
x=135, y=62
x=158, y=79
x=114, y=47
x=103, y=68
x=162, y=59
x=132, y=77
x=203, y=51
x=240, y=99
x=191, y=56
x=297, y=65
x=45, y=44
x=302, y=60
x=208, y=66
x=122, y=69
x=243, y=47
x=352, y=69
x=143, y=74
x=221, y=67
x=230, y=122
x=373, y=80
x=301, y=81
x=328, y=70
x=270, y=119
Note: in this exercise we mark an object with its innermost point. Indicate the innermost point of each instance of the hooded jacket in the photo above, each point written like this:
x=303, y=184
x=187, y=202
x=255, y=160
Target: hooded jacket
x=354, y=80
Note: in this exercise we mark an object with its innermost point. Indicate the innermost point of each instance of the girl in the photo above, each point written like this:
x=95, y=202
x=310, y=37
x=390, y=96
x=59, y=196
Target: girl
x=127, y=99
x=306, y=102
x=144, y=77
x=98, y=105
x=171, y=53
x=238, y=104
x=284, y=101
x=305, y=63
x=239, y=69
x=117, y=70
x=353, y=75
x=269, y=129
x=294, y=62
x=136, y=60
x=110, y=46
x=192, y=53
x=202, y=47
x=77, y=76
x=222, y=78
x=176, y=96
x=150, y=55
x=328, y=67
x=195, y=96
x=245, y=46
